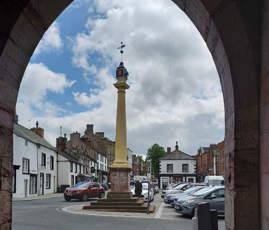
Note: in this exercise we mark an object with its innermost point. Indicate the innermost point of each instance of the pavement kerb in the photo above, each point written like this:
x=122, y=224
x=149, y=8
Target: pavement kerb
x=48, y=196
x=77, y=210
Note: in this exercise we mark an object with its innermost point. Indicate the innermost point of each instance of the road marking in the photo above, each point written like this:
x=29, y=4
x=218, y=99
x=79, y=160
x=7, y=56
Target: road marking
x=159, y=212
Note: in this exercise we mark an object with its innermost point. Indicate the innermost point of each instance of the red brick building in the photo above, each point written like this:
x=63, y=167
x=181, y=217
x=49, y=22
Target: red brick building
x=210, y=161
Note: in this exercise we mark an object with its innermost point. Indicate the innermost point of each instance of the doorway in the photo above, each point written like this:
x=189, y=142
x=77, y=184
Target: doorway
x=41, y=191
x=25, y=188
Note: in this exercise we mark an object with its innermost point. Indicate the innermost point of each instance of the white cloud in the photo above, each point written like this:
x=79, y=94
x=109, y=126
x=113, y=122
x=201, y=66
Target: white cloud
x=37, y=82
x=173, y=79
x=86, y=100
x=175, y=92
x=51, y=40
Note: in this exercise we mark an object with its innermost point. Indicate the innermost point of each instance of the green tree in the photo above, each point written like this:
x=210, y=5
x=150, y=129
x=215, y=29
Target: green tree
x=155, y=152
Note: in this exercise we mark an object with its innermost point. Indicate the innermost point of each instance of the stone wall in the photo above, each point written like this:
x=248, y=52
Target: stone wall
x=236, y=33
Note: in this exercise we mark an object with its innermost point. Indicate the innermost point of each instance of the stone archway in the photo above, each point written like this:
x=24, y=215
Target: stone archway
x=233, y=32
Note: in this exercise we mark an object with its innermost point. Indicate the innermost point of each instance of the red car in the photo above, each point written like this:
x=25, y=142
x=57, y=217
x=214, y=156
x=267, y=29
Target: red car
x=84, y=191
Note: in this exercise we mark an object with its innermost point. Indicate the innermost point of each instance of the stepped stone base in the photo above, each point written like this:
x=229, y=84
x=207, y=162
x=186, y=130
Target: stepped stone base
x=120, y=202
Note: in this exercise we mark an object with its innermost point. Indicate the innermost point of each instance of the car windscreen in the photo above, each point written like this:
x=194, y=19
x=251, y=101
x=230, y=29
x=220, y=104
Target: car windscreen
x=180, y=186
x=192, y=189
x=85, y=185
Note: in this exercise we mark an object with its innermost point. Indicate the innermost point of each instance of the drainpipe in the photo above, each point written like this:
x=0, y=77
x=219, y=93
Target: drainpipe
x=57, y=172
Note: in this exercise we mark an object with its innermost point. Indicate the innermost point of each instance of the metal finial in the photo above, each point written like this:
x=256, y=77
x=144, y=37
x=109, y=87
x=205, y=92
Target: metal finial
x=176, y=145
x=121, y=49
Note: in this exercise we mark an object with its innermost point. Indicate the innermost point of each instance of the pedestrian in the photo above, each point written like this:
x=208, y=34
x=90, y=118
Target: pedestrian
x=138, y=188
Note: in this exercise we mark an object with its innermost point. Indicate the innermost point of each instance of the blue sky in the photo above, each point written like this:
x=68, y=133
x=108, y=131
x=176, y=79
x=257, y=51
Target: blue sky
x=175, y=93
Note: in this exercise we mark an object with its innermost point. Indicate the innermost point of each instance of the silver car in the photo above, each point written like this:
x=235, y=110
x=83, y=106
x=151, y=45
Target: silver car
x=180, y=187
x=213, y=195
x=172, y=197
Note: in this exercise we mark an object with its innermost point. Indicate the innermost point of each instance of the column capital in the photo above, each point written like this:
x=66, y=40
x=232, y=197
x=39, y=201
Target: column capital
x=121, y=85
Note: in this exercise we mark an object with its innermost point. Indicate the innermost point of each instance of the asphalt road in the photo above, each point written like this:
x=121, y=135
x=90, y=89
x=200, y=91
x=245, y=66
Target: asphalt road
x=46, y=214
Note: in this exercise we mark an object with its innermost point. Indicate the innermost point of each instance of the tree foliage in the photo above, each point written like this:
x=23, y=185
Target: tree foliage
x=155, y=152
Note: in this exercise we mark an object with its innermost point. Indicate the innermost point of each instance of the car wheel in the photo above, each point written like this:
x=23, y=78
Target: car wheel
x=84, y=197
x=101, y=195
x=67, y=198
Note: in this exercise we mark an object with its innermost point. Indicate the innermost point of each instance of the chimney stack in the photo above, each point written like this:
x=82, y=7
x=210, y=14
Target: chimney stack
x=75, y=138
x=38, y=130
x=89, y=129
x=61, y=143
x=100, y=134
x=168, y=150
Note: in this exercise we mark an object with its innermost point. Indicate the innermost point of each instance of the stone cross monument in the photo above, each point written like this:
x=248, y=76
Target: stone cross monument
x=119, y=171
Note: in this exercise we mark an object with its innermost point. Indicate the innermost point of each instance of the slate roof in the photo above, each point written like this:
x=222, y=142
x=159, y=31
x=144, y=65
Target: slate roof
x=70, y=156
x=30, y=135
x=177, y=155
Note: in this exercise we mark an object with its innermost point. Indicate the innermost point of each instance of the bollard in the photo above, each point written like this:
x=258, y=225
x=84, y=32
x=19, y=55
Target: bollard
x=195, y=220
x=203, y=215
x=214, y=219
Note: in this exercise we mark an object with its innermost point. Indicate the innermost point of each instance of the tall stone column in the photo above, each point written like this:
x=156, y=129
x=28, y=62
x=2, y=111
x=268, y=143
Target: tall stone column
x=119, y=171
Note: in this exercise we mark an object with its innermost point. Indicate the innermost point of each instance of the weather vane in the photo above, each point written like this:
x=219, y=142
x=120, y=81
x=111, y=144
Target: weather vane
x=121, y=49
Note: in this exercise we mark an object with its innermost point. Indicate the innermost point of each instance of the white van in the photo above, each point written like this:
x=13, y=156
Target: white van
x=214, y=180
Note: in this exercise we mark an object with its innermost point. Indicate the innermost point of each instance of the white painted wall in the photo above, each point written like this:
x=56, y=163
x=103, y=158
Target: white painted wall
x=64, y=171
x=177, y=166
x=23, y=149
x=102, y=162
x=47, y=170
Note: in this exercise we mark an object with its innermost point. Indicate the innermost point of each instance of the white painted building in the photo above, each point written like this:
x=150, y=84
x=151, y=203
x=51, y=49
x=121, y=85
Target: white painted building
x=70, y=169
x=102, y=169
x=130, y=157
x=34, y=163
x=177, y=166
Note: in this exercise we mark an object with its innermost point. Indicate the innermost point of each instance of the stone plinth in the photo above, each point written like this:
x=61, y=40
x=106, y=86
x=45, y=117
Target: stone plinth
x=120, y=180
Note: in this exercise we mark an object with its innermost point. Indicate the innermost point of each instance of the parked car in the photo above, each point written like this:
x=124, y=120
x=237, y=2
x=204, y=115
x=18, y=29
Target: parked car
x=214, y=180
x=105, y=186
x=213, y=195
x=83, y=191
x=181, y=200
x=145, y=191
x=171, y=197
x=145, y=187
x=155, y=185
x=182, y=187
